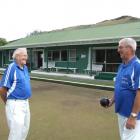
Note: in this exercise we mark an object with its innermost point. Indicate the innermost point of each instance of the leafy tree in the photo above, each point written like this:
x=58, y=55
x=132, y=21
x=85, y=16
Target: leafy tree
x=34, y=33
x=3, y=41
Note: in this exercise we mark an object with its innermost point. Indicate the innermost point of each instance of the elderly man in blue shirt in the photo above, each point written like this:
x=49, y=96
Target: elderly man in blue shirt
x=127, y=91
x=16, y=90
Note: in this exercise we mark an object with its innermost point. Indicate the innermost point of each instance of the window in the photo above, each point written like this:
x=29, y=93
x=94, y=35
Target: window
x=72, y=55
x=55, y=55
x=138, y=52
x=50, y=55
x=64, y=55
x=100, y=56
x=10, y=55
x=112, y=56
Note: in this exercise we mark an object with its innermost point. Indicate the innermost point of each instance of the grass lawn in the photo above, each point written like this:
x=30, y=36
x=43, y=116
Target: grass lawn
x=64, y=112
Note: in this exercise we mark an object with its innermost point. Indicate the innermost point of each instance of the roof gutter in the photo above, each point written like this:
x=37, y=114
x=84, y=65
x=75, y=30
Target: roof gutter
x=71, y=42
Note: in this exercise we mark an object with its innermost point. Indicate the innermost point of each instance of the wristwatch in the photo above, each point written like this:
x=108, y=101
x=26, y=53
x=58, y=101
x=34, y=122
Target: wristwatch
x=133, y=115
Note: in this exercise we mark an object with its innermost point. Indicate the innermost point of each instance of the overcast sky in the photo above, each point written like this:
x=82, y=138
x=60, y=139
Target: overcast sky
x=21, y=17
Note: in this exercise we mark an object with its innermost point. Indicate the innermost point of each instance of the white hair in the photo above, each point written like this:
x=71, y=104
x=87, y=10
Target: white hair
x=129, y=42
x=19, y=51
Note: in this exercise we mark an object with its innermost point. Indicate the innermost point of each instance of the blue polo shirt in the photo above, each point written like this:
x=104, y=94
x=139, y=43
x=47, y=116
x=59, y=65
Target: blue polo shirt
x=17, y=81
x=126, y=84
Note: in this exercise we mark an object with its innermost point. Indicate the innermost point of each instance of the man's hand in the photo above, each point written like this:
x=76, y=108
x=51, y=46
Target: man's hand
x=130, y=123
x=111, y=102
x=4, y=97
x=3, y=94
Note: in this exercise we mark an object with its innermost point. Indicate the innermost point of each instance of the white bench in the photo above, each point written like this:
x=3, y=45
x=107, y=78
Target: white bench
x=6, y=65
x=95, y=68
x=51, y=65
x=65, y=68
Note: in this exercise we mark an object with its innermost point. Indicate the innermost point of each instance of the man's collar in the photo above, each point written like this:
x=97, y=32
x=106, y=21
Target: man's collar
x=130, y=61
x=18, y=65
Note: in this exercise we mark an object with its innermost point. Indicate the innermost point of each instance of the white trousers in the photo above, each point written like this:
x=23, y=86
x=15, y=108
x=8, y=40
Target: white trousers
x=128, y=134
x=18, y=118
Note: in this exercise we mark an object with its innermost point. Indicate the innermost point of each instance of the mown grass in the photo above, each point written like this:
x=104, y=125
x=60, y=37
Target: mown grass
x=64, y=112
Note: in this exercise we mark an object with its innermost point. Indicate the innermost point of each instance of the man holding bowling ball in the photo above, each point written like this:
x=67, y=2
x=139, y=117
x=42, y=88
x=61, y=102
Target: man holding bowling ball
x=127, y=91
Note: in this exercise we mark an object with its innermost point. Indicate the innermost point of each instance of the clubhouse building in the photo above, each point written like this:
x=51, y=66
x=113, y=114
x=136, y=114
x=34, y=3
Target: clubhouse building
x=84, y=49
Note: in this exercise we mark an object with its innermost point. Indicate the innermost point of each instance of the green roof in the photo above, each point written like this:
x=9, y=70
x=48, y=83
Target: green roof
x=90, y=35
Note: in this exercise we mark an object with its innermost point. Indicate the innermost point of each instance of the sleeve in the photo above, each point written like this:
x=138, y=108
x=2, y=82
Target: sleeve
x=7, y=78
x=137, y=76
x=27, y=71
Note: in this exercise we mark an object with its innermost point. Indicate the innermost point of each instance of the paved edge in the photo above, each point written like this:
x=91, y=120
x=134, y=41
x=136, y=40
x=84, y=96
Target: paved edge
x=80, y=84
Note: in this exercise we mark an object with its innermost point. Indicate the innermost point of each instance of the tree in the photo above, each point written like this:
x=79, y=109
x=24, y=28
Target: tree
x=34, y=33
x=3, y=41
